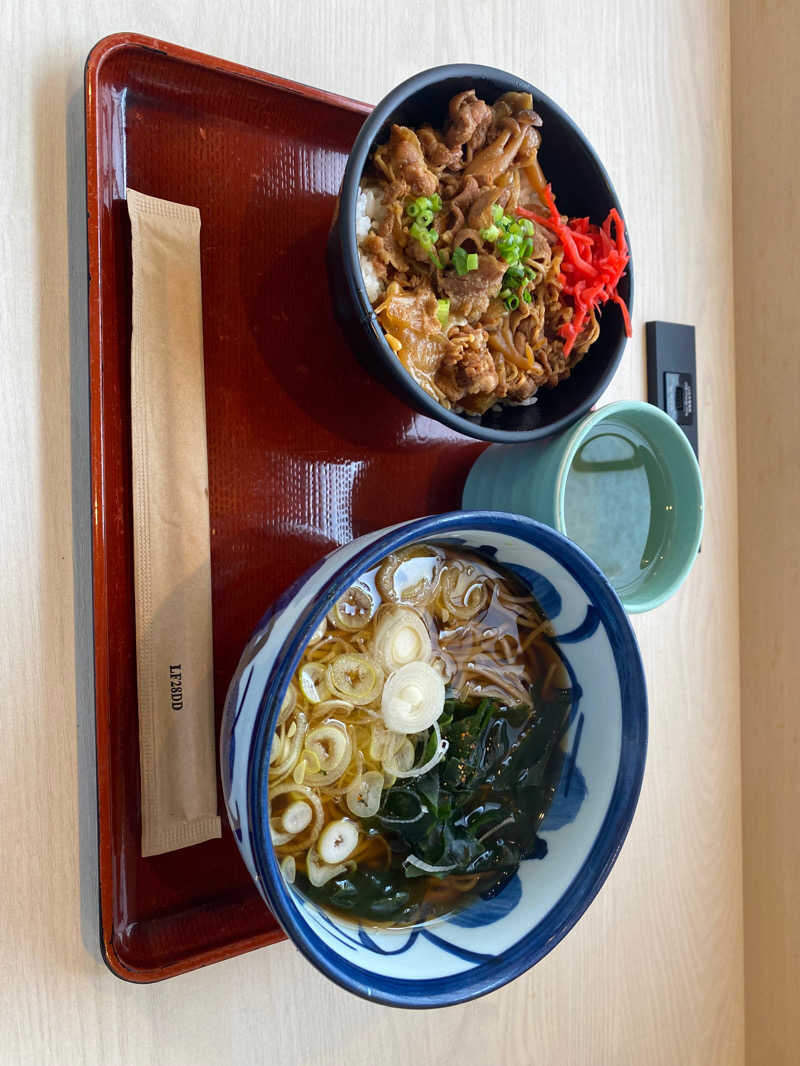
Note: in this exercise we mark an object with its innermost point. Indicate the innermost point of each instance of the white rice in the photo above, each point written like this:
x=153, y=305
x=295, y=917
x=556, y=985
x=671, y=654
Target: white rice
x=369, y=212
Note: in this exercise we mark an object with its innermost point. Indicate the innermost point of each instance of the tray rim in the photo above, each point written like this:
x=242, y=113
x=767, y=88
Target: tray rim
x=102, y=50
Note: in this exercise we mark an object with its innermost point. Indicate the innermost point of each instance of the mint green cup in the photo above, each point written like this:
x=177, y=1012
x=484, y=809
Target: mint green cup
x=623, y=483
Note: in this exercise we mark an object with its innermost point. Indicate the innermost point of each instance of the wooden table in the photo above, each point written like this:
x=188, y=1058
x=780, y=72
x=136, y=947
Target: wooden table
x=654, y=972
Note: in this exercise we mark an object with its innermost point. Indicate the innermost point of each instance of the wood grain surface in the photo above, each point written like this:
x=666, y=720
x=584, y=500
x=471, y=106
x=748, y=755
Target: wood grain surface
x=654, y=971
x=766, y=95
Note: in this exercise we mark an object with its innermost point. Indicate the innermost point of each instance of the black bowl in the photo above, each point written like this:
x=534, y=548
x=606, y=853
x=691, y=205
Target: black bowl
x=581, y=186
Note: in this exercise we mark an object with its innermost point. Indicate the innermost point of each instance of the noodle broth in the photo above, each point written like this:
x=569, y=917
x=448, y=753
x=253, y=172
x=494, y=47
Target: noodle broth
x=419, y=744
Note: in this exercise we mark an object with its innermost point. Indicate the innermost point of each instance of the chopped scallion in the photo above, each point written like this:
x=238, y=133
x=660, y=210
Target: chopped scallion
x=512, y=303
x=425, y=217
x=412, y=210
x=464, y=262
x=443, y=312
x=497, y=212
x=526, y=296
x=423, y=203
x=505, y=247
x=436, y=204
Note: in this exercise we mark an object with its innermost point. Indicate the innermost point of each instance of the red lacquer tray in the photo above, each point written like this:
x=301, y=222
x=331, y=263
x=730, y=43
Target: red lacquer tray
x=305, y=450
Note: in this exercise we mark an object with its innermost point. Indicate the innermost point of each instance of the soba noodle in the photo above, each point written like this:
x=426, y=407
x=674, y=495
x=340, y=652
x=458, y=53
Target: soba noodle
x=431, y=646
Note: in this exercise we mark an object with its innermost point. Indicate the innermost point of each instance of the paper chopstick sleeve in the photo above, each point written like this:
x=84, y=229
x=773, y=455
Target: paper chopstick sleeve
x=172, y=553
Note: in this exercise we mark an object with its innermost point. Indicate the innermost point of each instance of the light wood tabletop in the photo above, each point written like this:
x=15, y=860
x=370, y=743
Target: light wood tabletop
x=653, y=973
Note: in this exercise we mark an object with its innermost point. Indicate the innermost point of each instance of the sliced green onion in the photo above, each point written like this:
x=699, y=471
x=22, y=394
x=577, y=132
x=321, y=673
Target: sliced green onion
x=311, y=679
x=353, y=610
x=497, y=212
x=364, y=795
x=434, y=258
x=526, y=296
x=506, y=248
x=443, y=312
x=504, y=295
x=527, y=226
x=491, y=233
x=423, y=203
x=436, y=204
x=355, y=678
x=529, y=273
x=527, y=248
x=412, y=210
x=337, y=841
x=425, y=217
x=512, y=303
x=416, y=231
x=464, y=262
x=412, y=700
x=516, y=229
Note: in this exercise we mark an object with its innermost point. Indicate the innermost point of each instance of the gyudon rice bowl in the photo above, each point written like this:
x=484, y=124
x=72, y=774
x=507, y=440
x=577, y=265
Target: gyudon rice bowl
x=484, y=290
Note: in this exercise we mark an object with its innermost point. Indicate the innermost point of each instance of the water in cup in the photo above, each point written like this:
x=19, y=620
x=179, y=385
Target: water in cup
x=618, y=504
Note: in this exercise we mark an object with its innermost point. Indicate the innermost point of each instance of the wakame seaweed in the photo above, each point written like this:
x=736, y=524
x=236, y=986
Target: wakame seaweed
x=477, y=812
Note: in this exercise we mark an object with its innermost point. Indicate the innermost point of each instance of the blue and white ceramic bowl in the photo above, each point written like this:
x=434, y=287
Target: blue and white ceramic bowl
x=493, y=940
